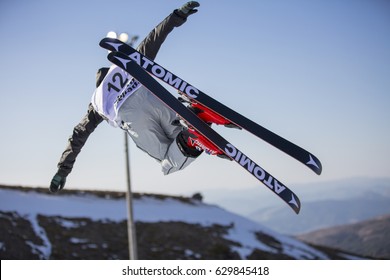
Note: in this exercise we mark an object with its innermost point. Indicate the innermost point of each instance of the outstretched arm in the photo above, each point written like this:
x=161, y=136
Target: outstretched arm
x=152, y=43
x=149, y=46
x=76, y=141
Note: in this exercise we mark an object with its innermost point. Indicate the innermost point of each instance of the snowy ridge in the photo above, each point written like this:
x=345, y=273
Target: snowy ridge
x=149, y=209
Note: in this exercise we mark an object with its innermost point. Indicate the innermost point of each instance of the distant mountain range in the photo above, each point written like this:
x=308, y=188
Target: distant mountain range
x=92, y=225
x=323, y=214
x=324, y=205
x=370, y=237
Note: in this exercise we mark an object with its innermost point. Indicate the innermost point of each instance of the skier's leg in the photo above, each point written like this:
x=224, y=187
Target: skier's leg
x=175, y=159
x=148, y=122
x=140, y=121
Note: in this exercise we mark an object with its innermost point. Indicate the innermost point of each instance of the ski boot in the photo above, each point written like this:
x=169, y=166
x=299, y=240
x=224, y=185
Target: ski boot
x=210, y=117
x=207, y=115
x=191, y=142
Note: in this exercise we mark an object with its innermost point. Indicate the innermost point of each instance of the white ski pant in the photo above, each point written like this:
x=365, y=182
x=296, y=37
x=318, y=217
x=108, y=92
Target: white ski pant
x=149, y=123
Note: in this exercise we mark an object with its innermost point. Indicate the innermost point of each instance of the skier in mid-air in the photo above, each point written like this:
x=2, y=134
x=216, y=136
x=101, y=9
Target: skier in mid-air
x=123, y=102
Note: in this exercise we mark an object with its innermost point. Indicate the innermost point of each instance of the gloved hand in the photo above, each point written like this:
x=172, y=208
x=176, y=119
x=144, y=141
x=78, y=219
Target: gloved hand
x=57, y=183
x=188, y=9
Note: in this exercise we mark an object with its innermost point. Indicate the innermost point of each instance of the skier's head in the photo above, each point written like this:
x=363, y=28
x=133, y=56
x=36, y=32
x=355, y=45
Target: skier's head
x=101, y=73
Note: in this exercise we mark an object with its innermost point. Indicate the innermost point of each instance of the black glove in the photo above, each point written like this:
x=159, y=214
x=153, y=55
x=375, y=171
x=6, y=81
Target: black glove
x=188, y=9
x=57, y=183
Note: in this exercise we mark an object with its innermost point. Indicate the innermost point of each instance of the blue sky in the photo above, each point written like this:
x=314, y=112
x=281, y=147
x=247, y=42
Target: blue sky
x=315, y=72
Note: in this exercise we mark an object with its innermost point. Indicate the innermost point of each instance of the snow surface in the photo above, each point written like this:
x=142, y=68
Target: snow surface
x=147, y=209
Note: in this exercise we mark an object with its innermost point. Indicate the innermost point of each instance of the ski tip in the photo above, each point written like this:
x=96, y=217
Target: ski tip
x=314, y=164
x=119, y=59
x=110, y=44
x=106, y=40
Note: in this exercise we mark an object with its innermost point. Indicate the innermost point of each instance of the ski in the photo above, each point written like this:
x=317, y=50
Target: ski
x=196, y=96
x=191, y=118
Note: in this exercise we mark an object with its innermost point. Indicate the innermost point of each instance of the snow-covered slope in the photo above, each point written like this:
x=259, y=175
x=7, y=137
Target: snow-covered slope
x=150, y=209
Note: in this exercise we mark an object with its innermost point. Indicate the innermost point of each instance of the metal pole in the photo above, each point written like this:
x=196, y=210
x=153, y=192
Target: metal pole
x=131, y=232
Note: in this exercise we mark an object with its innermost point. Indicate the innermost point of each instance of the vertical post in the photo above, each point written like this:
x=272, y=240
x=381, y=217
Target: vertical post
x=131, y=232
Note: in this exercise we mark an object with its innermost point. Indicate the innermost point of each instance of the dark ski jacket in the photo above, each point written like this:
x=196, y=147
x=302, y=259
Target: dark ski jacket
x=149, y=47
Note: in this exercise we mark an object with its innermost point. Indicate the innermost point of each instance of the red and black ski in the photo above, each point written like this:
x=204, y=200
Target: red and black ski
x=132, y=67
x=196, y=96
